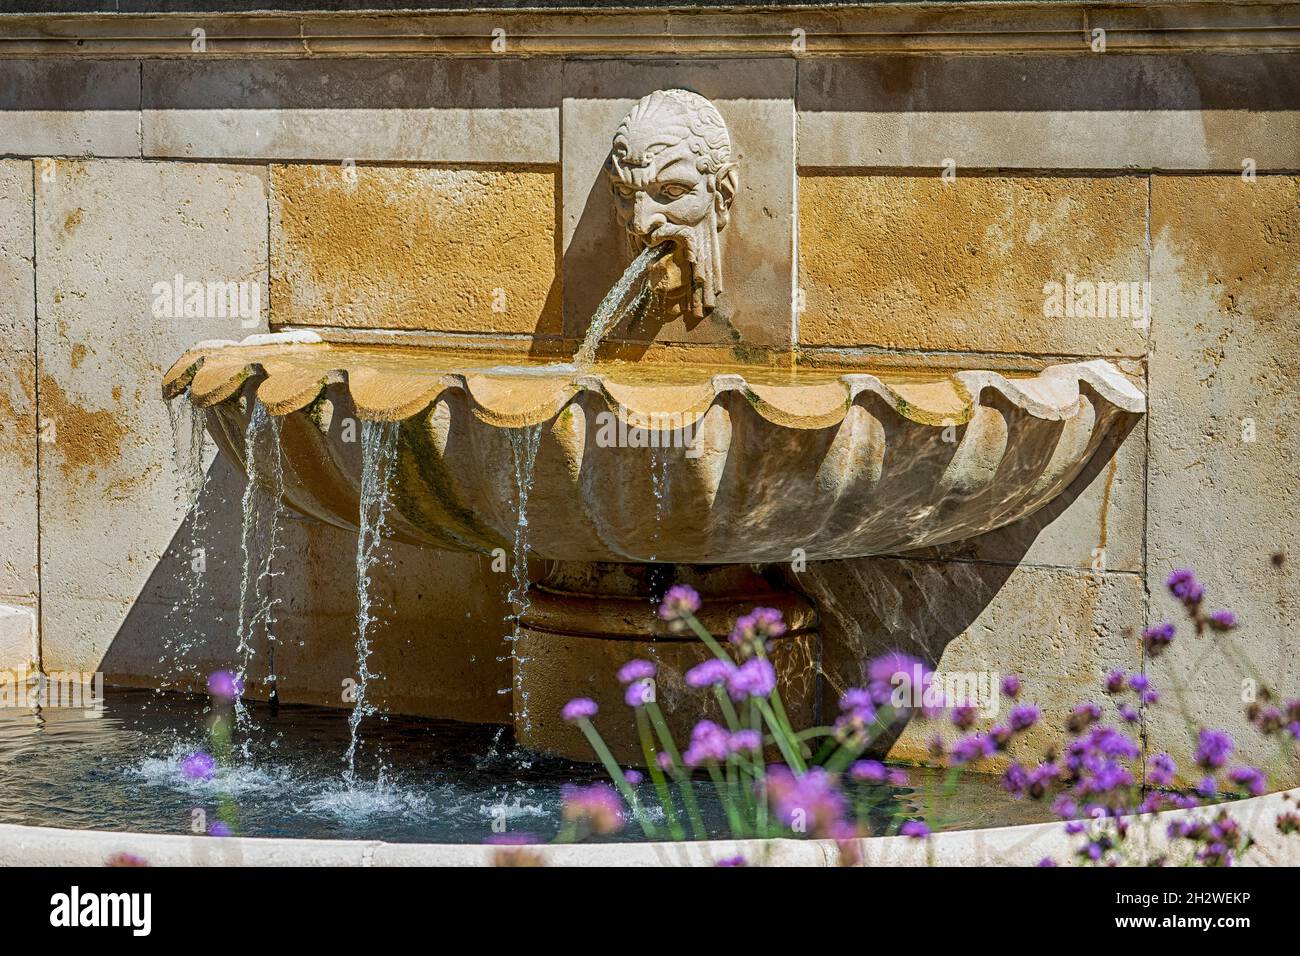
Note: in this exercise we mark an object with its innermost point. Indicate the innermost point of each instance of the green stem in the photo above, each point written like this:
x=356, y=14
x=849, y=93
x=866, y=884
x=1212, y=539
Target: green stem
x=661, y=786
x=616, y=774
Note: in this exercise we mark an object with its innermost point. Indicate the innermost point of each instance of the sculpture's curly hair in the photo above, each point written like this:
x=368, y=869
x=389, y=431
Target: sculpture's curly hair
x=677, y=115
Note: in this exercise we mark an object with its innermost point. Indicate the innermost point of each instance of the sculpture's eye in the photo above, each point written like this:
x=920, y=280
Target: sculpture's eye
x=674, y=191
x=625, y=191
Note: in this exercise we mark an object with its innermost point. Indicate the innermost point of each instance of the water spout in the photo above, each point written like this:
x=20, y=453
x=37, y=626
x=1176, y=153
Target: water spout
x=619, y=300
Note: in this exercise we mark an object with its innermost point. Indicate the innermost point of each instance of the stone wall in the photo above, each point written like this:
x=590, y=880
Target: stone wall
x=913, y=206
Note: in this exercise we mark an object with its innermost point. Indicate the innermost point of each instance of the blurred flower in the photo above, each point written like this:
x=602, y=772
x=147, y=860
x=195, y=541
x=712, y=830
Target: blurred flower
x=639, y=692
x=808, y=802
x=579, y=708
x=633, y=777
x=754, y=631
x=596, y=806
x=964, y=716
x=199, y=766
x=1250, y=779
x=1213, y=748
x=754, y=678
x=731, y=861
x=868, y=771
x=1011, y=686
x=225, y=685
x=1184, y=586
x=1223, y=620
x=1115, y=681
x=218, y=829
x=1157, y=637
x=635, y=670
x=1046, y=861
x=128, y=859
x=679, y=601
x=708, y=744
x=1161, y=770
x=1023, y=717
x=745, y=741
x=710, y=672
x=1083, y=716
x=916, y=829
x=1129, y=713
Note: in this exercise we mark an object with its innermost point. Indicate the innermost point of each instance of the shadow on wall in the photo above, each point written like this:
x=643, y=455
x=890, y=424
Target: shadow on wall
x=433, y=657
x=918, y=603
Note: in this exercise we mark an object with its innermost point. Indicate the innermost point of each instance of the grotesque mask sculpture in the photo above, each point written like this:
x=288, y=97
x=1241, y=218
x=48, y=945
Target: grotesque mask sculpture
x=673, y=178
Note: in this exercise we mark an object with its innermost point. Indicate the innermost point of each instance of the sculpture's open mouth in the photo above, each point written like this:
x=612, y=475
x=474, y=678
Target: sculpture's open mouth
x=749, y=463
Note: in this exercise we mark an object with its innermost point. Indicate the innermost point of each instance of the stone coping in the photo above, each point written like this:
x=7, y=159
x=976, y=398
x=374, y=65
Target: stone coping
x=390, y=383
x=998, y=846
x=992, y=27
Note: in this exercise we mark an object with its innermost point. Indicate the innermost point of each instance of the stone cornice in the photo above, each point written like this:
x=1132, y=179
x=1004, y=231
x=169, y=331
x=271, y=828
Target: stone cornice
x=984, y=28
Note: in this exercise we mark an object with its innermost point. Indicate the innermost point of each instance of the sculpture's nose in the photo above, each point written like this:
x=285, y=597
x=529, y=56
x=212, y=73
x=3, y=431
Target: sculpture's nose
x=646, y=217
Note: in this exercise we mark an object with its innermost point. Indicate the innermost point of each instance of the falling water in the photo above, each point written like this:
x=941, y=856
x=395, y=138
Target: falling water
x=619, y=301
x=658, y=487
x=189, y=438
x=259, y=538
x=378, y=455
x=524, y=443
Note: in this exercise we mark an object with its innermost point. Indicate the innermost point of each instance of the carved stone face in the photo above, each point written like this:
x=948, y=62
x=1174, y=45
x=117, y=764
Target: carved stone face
x=673, y=180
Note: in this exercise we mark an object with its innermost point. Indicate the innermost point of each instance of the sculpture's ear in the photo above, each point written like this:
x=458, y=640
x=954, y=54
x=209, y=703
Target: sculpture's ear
x=727, y=180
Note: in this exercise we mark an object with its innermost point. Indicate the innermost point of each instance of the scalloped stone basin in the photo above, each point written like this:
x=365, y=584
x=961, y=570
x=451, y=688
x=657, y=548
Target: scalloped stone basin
x=756, y=462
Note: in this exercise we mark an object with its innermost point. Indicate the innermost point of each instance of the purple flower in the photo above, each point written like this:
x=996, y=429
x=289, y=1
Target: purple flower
x=753, y=631
x=964, y=716
x=1207, y=787
x=1115, y=681
x=1023, y=717
x=633, y=777
x=1223, y=620
x=1213, y=749
x=635, y=670
x=517, y=838
x=731, y=861
x=639, y=693
x=1046, y=861
x=1161, y=770
x=218, y=829
x=1083, y=716
x=1011, y=686
x=597, y=806
x=578, y=709
x=810, y=801
x=664, y=759
x=745, y=741
x=680, y=600
x=1250, y=779
x=898, y=778
x=1016, y=780
x=1139, y=682
x=1184, y=586
x=225, y=685
x=916, y=829
x=868, y=771
x=710, y=672
x=1128, y=713
x=971, y=748
x=858, y=703
x=754, y=678
x=199, y=766
x=1157, y=637
x=708, y=744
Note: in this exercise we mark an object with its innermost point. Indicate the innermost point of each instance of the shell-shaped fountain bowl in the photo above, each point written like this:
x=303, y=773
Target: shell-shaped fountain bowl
x=676, y=463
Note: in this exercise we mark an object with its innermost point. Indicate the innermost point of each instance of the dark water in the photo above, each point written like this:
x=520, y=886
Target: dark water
x=418, y=780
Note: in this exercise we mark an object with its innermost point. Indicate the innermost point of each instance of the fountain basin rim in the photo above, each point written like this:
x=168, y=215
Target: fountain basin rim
x=389, y=383
x=1022, y=845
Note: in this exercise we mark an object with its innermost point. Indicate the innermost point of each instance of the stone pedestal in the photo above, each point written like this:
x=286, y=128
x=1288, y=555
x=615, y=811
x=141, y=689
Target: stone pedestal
x=587, y=619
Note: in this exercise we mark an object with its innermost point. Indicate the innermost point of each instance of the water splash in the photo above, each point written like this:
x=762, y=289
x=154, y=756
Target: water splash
x=619, y=300
x=378, y=456
x=259, y=539
x=524, y=443
x=659, y=489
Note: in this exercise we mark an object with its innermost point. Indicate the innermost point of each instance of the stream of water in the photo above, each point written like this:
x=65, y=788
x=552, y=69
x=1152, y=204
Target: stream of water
x=524, y=443
x=378, y=455
x=619, y=300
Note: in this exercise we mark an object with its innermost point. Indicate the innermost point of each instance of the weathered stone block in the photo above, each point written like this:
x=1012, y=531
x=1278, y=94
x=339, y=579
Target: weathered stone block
x=403, y=248
x=18, y=424
x=493, y=110
x=915, y=262
x=755, y=99
x=70, y=108
x=18, y=648
x=1225, y=481
x=112, y=236
x=1154, y=111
